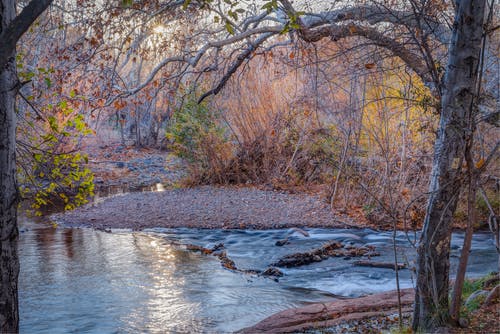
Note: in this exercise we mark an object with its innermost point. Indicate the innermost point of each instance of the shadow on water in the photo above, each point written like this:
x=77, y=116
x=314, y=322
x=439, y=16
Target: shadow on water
x=87, y=281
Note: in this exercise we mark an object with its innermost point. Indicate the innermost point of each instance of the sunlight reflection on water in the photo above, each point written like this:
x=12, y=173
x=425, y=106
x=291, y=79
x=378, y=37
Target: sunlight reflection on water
x=86, y=281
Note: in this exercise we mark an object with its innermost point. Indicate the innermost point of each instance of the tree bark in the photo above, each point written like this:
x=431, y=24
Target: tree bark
x=11, y=29
x=9, y=262
x=458, y=90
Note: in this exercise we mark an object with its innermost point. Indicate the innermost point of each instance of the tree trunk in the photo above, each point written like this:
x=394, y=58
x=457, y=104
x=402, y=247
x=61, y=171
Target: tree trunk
x=9, y=261
x=431, y=298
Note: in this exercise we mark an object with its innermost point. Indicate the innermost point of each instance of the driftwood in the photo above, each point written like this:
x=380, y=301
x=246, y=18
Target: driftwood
x=387, y=265
x=493, y=296
x=491, y=282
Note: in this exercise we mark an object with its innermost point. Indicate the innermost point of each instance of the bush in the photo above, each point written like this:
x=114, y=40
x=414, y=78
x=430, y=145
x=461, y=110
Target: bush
x=283, y=152
x=196, y=135
x=54, y=172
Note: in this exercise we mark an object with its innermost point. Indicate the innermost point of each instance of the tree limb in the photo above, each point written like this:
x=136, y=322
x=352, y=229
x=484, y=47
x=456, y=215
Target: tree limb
x=18, y=27
x=234, y=67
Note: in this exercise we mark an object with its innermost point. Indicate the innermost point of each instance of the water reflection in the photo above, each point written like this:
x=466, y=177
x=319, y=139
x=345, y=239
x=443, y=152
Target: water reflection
x=85, y=281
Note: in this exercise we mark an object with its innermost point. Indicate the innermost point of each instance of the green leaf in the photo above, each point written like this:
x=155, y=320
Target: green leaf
x=232, y=14
x=270, y=6
x=229, y=28
x=186, y=4
x=127, y=3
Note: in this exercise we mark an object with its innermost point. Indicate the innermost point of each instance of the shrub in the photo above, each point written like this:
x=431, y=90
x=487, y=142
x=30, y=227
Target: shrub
x=196, y=135
x=52, y=171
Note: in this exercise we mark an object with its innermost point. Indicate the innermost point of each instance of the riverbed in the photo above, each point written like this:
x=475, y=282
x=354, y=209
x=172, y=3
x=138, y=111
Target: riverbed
x=87, y=281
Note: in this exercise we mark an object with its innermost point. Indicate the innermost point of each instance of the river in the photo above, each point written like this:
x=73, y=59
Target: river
x=87, y=281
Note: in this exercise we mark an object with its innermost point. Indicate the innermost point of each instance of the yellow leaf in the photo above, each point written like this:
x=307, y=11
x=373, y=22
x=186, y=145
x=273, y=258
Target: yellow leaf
x=480, y=163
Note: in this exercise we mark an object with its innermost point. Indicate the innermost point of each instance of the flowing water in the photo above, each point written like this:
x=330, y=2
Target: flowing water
x=87, y=281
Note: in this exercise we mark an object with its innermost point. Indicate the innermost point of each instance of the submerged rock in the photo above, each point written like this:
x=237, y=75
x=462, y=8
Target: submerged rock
x=272, y=271
x=282, y=242
x=218, y=247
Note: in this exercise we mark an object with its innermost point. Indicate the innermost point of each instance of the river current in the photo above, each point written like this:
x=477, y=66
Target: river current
x=87, y=281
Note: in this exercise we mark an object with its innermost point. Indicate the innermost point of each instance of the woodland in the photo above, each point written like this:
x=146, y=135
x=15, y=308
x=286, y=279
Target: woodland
x=385, y=110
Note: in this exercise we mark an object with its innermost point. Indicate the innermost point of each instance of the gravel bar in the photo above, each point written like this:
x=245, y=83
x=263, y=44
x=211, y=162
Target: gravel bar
x=206, y=207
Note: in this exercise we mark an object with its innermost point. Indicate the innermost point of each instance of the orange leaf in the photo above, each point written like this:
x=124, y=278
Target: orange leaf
x=480, y=163
x=118, y=105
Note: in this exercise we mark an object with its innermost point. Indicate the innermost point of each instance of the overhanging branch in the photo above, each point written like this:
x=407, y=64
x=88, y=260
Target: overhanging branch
x=19, y=25
x=234, y=67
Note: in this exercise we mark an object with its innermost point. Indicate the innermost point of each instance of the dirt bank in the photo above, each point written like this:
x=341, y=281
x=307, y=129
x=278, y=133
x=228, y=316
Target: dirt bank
x=207, y=207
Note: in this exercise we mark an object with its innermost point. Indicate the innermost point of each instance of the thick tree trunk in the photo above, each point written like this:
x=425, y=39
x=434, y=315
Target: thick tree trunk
x=12, y=27
x=9, y=262
x=431, y=299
